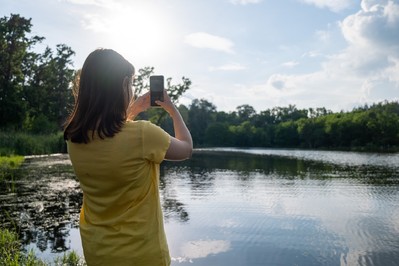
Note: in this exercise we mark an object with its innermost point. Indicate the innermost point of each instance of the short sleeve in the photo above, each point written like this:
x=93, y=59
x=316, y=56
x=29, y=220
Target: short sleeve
x=155, y=142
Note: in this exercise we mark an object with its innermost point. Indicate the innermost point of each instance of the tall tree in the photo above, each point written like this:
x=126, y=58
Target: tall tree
x=16, y=61
x=49, y=91
x=245, y=112
x=200, y=115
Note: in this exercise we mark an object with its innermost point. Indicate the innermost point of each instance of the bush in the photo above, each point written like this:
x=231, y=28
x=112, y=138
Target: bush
x=42, y=125
x=31, y=144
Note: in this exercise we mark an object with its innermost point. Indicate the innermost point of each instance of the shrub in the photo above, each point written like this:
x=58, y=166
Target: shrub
x=31, y=144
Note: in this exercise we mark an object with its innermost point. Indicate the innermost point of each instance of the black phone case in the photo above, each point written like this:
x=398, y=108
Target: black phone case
x=156, y=89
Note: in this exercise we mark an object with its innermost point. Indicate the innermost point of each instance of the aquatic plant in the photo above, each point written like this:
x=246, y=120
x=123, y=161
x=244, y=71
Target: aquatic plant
x=11, y=253
x=9, y=166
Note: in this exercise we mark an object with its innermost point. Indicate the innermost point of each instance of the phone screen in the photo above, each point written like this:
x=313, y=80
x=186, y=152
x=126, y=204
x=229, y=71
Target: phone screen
x=156, y=89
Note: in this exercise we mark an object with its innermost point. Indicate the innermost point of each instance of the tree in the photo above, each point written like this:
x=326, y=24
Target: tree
x=217, y=135
x=311, y=132
x=245, y=112
x=35, y=88
x=49, y=90
x=200, y=115
x=244, y=134
x=175, y=91
x=286, y=134
x=16, y=61
x=290, y=113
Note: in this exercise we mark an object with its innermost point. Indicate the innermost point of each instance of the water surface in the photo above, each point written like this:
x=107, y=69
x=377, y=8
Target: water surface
x=238, y=207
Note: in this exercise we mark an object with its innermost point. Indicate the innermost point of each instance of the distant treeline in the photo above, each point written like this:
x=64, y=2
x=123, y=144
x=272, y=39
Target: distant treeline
x=374, y=127
x=36, y=97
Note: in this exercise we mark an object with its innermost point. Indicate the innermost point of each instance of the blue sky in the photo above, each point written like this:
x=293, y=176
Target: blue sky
x=336, y=54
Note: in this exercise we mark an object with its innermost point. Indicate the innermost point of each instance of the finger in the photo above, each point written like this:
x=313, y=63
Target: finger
x=159, y=103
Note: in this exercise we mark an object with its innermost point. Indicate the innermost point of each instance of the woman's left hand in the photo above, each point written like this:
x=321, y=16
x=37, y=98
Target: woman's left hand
x=141, y=104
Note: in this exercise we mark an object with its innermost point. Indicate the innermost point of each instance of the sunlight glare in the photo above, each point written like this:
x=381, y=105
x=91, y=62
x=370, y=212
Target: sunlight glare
x=140, y=32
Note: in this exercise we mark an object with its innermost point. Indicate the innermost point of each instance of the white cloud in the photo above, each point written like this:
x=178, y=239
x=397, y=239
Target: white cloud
x=323, y=35
x=228, y=67
x=367, y=5
x=290, y=64
x=244, y=2
x=333, y=5
x=95, y=23
x=312, y=54
x=98, y=3
x=83, y=2
x=365, y=71
x=209, y=41
x=375, y=26
x=373, y=39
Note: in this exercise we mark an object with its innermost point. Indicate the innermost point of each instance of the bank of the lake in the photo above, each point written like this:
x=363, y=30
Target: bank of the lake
x=26, y=144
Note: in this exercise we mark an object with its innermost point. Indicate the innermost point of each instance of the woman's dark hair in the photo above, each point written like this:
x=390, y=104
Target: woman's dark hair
x=101, y=97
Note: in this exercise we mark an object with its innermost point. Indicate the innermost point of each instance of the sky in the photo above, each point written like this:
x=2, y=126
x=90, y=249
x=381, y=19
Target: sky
x=337, y=54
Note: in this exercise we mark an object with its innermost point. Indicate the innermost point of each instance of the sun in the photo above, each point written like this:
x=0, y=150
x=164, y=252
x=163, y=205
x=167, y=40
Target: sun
x=141, y=32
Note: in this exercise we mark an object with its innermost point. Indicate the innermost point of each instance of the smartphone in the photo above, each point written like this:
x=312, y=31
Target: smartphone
x=156, y=89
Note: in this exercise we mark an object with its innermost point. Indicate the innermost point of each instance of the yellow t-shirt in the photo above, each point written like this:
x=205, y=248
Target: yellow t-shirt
x=121, y=221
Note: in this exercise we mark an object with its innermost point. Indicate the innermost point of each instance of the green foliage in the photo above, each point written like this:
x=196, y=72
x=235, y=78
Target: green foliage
x=11, y=253
x=373, y=127
x=218, y=135
x=31, y=144
x=200, y=115
x=9, y=170
x=15, y=63
x=35, y=89
x=8, y=166
x=9, y=248
x=11, y=162
x=70, y=259
x=286, y=134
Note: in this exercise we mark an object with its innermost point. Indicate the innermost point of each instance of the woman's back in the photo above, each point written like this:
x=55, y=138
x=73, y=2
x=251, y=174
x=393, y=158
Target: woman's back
x=121, y=220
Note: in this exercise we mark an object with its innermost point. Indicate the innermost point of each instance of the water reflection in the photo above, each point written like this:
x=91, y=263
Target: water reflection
x=44, y=205
x=204, y=248
x=277, y=210
x=205, y=162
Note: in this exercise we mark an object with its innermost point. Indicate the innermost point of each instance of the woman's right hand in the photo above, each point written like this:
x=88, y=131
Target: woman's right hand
x=181, y=146
x=167, y=104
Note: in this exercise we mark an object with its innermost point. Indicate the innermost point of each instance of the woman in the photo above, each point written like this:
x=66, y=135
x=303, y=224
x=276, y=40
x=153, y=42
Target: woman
x=117, y=163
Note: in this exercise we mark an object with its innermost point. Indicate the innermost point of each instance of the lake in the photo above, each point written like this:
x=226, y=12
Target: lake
x=236, y=207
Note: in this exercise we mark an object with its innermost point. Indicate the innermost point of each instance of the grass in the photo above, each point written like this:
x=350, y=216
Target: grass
x=11, y=254
x=11, y=162
x=9, y=166
x=12, y=143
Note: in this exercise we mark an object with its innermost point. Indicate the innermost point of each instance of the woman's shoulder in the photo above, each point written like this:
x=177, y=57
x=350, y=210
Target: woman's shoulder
x=143, y=127
x=139, y=124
